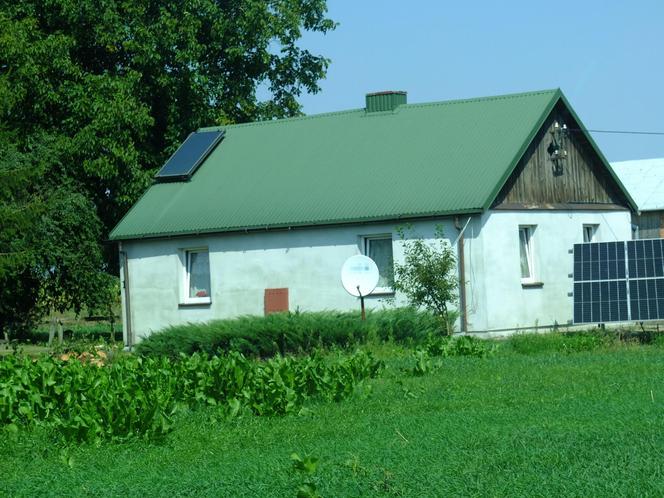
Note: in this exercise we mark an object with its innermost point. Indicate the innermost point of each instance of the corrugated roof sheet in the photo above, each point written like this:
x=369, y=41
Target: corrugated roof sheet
x=644, y=180
x=419, y=160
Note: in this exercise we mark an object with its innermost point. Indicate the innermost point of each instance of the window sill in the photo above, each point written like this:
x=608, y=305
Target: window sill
x=201, y=301
x=531, y=284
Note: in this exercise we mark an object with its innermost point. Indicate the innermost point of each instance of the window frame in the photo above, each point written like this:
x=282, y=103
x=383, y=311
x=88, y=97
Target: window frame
x=366, y=242
x=186, y=276
x=593, y=227
x=530, y=254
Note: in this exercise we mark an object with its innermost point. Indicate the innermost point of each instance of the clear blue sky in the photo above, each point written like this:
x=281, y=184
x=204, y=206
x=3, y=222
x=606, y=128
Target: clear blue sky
x=606, y=56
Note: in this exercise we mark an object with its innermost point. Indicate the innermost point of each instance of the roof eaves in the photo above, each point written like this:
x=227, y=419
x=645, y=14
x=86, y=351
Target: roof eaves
x=111, y=235
x=287, y=226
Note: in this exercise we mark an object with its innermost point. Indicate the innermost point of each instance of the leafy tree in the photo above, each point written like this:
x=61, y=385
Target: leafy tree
x=49, y=253
x=116, y=85
x=427, y=276
x=96, y=94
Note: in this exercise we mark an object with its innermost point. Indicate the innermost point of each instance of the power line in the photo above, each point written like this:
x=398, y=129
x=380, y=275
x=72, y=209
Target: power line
x=624, y=132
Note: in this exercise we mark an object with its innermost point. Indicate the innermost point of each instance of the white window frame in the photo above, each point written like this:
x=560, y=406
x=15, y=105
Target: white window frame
x=530, y=253
x=590, y=232
x=366, y=241
x=185, y=277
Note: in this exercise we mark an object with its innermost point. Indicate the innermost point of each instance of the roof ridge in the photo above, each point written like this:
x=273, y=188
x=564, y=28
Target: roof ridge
x=353, y=111
x=486, y=98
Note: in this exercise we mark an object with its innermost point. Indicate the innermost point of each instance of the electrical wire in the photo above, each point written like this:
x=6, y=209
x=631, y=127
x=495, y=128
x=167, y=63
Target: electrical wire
x=624, y=132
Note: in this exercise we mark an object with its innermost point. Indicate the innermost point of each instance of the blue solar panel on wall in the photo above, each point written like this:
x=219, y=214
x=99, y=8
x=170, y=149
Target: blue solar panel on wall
x=600, y=285
x=619, y=281
x=190, y=155
x=646, y=282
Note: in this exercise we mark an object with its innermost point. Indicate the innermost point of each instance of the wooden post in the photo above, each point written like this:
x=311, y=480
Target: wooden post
x=51, y=331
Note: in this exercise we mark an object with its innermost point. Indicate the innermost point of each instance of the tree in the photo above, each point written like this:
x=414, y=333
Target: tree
x=428, y=277
x=116, y=86
x=96, y=94
x=50, y=257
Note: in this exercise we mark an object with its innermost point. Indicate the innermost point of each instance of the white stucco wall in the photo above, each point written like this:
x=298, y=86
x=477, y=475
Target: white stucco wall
x=242, y=265
x=307, y=261
x=496, y=297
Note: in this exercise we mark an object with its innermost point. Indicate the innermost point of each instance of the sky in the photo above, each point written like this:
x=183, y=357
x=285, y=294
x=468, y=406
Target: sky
x=606, y=56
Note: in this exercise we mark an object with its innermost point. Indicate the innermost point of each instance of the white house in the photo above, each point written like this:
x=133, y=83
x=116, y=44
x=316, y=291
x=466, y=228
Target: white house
x=270, y=215
x=644, y=180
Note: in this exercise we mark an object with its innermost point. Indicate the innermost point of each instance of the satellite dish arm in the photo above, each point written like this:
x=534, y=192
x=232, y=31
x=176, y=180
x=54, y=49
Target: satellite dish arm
x=364, y=316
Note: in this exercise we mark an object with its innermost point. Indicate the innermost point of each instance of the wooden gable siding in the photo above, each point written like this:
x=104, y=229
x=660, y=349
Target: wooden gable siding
x=650, y=223
x=583, y=181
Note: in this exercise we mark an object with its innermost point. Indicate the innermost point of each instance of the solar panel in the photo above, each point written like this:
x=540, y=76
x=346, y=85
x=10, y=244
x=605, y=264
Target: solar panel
x=619, y=281
x=190, y=155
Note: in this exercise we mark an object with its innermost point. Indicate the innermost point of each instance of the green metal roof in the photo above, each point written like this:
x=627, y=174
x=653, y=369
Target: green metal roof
x=418, y=160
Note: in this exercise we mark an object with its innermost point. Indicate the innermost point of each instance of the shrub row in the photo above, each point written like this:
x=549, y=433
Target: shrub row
x=135, y=396
x=283, y=333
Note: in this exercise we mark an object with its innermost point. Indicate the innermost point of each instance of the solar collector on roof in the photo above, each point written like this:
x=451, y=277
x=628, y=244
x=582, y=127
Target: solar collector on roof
x=190, y=155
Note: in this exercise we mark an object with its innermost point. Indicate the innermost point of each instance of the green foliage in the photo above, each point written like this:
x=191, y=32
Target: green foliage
x=49, y=246
x=427, y=276
x=568, y=342
x=133, y=396
x=447, y=347
x=77, y=332
x=509, y=425
x=464, y=345
x=117, y=86
x=423, y=363
x=94, y=97
x=306, y=467
x=282, y=333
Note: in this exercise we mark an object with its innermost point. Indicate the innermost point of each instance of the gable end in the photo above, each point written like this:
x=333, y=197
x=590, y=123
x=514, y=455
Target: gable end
x=580, y=179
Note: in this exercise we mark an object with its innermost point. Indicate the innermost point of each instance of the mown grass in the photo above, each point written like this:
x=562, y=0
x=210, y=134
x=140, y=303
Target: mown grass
x=551, y=422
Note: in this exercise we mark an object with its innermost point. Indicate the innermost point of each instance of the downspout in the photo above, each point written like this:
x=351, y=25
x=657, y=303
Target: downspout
x=462, y=273
x=127, y=307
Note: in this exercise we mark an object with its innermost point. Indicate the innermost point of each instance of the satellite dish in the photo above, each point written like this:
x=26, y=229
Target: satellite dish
x=359, y=275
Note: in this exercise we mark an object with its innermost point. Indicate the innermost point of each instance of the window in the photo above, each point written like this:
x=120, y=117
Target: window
x=196, y=289
x=589, y=232
x=379, y=248
x=526, y=253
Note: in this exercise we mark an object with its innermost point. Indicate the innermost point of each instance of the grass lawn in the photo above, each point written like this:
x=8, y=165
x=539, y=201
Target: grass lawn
x=544, y=424
x=29, y=349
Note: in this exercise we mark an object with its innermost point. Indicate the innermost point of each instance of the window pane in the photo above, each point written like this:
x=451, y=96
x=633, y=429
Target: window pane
x=199, y=274
x=380, y=250
x=524, y=239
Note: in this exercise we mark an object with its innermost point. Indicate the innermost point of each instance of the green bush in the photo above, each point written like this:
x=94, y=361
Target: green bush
x=283, y=333
x=428, y=358
x=134, y=396
x=459, y=346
